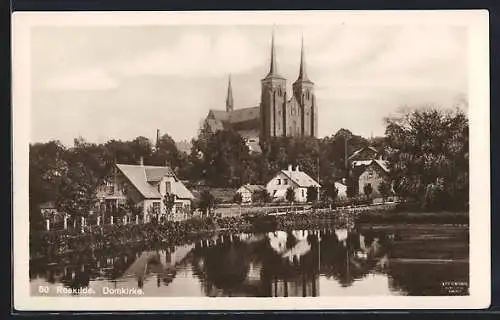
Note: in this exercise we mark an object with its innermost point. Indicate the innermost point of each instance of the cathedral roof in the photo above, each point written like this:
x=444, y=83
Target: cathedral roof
x=219, y=114
x=245, y=114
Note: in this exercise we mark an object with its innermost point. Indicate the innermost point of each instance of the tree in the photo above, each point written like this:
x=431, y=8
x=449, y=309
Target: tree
x=220, y=158
x=312, y=194
x=261, y=196
x=237, y=198
x=169, y=202
x=426, y=145
x=290, y=194
x=351, y=188
x=167, y=153
x=330, y=192
x=207, y=202
x=47, y=165
x=384, y=188
x=368, y=189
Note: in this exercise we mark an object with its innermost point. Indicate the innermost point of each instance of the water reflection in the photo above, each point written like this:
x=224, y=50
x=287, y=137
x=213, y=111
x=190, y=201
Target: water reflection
x=324, y=262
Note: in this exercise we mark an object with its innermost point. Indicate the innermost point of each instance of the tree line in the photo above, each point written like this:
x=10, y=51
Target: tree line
x=427, y=150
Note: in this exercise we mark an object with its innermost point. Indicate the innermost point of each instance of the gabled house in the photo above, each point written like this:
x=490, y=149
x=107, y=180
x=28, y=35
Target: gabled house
x=246, y=191
x=298, y=180
x=371, y=172
x=48, y=210
x=147, y=187
x=341, y=190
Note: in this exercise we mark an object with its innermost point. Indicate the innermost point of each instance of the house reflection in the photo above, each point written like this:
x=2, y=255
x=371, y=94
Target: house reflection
x=275, y=264
x=286, y=263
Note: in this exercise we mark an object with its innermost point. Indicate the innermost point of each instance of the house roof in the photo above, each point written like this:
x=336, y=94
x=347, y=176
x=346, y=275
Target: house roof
x=357, y=152
x=383, y=164
x=340, y=184
x=301, y=178
x=155, y=174
x=253, y=187
x=138, y=178
x=180, y=190
x=48, y=205
x=141, y=178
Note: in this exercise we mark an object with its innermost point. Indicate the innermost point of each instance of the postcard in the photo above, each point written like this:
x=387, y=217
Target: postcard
x=285, y=160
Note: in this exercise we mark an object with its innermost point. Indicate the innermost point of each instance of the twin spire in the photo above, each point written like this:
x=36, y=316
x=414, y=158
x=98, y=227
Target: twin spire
x=273, y=68
x=273, y=73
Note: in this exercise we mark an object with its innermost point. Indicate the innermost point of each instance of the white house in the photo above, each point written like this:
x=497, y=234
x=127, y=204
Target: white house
x=147, y=187
x=298, y=180
x=247, y=190
x=341, y=190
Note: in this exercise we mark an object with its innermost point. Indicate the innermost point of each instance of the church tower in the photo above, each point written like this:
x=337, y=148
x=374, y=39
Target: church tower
x=229, y=98
x=303, y=91
x=273, y=100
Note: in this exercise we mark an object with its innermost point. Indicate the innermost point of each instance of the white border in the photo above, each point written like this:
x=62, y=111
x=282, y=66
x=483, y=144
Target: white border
x=478, y=54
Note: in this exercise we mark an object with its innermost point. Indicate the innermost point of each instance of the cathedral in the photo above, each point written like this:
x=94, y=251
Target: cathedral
x=277, y=115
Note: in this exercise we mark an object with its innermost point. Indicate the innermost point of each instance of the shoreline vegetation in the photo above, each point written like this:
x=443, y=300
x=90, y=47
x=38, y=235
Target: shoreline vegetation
x=57, y=243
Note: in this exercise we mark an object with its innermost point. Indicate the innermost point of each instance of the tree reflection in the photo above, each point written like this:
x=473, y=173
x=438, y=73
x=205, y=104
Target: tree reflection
x=280, y=263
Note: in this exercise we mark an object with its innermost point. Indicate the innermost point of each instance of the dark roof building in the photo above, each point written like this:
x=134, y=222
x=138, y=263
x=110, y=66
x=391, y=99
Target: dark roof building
x=276, y=115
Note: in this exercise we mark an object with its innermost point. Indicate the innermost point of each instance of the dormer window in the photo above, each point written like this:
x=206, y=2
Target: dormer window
x=167, y=187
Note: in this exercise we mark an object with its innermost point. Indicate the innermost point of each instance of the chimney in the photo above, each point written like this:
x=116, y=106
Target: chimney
x=297, y=168
x=289, y=167
x=157, y=139
x=141, y=161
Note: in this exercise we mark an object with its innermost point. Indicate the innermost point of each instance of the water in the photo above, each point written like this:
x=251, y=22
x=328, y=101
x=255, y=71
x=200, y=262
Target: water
x=366, y=261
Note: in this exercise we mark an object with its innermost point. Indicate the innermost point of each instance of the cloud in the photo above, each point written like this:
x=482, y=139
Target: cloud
x=198, y=54
x=362, y=73
x=93, y=79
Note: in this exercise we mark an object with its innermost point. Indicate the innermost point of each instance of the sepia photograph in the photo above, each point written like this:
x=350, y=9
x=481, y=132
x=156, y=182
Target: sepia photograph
x=251, y=156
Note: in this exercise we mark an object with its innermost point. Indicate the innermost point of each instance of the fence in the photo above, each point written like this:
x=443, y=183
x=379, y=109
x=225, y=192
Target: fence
x=67, y=222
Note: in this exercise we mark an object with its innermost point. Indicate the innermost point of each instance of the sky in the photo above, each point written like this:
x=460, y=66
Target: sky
x=111, y=82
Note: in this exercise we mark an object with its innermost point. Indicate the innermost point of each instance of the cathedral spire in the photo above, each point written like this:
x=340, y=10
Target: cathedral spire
x=273, y=68
x=229, y=98
x=302, y=71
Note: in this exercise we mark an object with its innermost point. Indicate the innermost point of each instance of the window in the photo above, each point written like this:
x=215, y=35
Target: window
x=156, y=207
x=303, y=195
x=285, y=181
x=167, y=187
x=274, y=192
x=279, y=181
x=178, y=207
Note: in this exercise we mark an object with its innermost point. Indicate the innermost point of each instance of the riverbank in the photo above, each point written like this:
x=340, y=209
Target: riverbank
x=394, y=216
x=49, y=244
